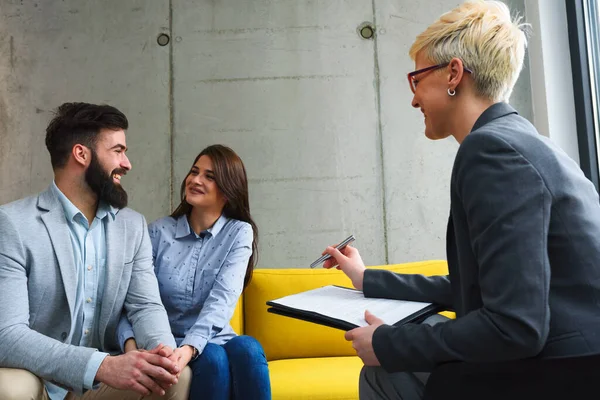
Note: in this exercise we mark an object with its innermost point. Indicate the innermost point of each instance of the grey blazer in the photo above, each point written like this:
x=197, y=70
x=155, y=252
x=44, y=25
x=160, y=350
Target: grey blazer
x=38, y=288
x=523, y=249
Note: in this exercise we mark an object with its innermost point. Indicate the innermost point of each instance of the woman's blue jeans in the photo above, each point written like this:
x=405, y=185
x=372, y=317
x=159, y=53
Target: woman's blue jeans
x=236, y=370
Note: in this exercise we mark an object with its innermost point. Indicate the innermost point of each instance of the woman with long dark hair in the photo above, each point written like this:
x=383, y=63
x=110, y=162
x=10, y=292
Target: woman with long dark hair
x=204, y=254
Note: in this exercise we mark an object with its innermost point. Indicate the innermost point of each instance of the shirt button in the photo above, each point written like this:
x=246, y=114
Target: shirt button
x=89, y=300
x=89, y=267
x=86, y=331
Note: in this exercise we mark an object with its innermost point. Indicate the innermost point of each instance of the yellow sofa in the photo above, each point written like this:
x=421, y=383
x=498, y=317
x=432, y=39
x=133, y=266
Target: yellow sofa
x=306, y=361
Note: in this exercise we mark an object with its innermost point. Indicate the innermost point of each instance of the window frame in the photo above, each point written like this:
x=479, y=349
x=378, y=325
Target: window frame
x=585, y=63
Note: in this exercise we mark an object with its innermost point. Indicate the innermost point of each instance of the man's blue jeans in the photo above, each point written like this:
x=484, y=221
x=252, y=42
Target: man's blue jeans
x=236, y=370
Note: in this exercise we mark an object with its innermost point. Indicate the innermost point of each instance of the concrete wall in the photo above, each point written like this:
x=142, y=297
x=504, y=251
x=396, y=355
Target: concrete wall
x=96, y=51
x=320, y=116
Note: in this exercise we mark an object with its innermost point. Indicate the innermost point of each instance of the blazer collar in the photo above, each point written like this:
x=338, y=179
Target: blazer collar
x=58, y=230
x=48, y=199
x=493, y=112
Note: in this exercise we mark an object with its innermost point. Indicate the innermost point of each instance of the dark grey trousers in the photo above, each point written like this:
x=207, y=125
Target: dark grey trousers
x=377, y=384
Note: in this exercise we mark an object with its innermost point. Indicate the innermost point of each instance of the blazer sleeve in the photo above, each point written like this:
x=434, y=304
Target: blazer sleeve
x=224, y=294
x=20, y=346
x=143, y=306
x=507, y=206
x=389, y=285
x=124, y=331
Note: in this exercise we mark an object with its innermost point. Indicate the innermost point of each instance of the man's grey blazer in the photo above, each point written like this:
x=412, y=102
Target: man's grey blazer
x=523, y=249
x=38, y=289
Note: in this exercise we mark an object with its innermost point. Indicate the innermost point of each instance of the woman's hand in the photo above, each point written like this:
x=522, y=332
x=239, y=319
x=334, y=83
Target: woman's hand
x=182, y=356
x=349, y=261
x=130, y=345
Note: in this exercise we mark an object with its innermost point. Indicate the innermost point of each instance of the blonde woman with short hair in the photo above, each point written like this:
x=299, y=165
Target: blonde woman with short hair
x=522, y=240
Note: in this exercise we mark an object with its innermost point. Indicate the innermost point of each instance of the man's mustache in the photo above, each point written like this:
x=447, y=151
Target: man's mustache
x=119, y=171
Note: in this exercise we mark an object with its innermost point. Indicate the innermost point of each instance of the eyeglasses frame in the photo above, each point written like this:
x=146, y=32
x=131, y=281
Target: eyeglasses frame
x=410, y=75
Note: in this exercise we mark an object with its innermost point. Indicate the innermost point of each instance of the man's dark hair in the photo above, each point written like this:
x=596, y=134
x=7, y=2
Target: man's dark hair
x=79, y=123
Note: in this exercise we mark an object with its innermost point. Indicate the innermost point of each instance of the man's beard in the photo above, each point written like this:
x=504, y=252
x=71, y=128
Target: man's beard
x=103, y=185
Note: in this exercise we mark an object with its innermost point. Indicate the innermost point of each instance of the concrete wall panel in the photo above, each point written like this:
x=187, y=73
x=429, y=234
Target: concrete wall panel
x=289, y=86
x=100, y=52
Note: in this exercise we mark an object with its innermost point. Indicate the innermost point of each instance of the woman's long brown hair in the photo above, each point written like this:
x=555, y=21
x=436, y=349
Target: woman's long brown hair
x=231, y=179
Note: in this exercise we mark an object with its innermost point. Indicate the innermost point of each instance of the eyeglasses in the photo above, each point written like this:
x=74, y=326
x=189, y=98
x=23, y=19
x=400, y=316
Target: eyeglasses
x=412, y=82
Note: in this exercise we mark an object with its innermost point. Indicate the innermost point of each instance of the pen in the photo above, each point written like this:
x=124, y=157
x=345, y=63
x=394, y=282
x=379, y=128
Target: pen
x=340, y=246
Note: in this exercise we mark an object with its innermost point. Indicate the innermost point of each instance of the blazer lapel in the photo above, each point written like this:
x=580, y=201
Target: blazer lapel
x=115, y=236
x=58, y=230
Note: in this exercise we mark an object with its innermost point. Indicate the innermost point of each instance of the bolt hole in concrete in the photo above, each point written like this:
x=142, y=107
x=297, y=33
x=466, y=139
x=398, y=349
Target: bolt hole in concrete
x=163, y=39
x=366, y=30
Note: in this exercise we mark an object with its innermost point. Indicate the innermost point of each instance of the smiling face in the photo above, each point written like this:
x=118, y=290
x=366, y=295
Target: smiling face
x=432, y=98
x=107, y=166
x=201, y=188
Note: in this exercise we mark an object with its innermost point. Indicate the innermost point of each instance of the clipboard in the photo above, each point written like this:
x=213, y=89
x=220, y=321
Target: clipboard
x=419, y=311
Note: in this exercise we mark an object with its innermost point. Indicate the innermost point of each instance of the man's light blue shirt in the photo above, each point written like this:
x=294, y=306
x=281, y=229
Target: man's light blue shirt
x=89, y=251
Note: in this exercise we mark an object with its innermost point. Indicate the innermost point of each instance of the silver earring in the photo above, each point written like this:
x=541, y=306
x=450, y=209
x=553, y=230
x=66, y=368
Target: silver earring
x=451, y=92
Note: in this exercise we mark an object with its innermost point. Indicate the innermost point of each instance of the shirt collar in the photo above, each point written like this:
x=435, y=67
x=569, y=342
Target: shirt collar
x=105, y=209
x=71, y=211
x=217, y=226
x=494, y=111
x=184, y=229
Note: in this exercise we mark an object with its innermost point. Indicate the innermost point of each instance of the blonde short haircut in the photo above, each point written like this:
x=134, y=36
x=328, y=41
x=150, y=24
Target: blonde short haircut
x=485, y=37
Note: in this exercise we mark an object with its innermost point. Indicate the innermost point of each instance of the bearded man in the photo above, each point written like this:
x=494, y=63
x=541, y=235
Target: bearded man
x=72, y=259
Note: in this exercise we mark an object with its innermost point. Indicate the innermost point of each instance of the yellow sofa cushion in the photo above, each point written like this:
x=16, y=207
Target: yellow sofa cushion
x=334, y=378
x=285, y=338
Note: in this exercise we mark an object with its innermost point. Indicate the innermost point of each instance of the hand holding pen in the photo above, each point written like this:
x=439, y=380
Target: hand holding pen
x=346, y=258
x=325, y=257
